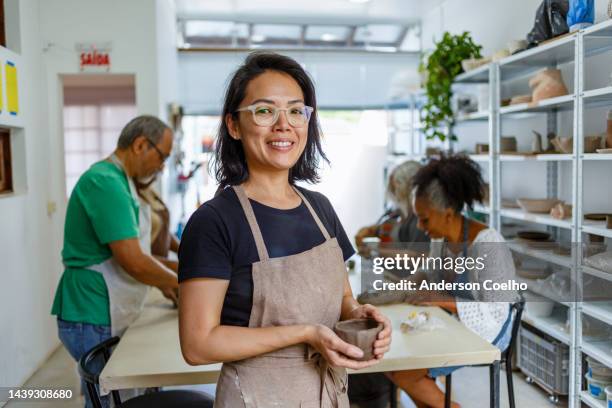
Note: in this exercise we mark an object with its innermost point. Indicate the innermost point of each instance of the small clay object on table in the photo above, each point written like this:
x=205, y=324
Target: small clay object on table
x=361, y=333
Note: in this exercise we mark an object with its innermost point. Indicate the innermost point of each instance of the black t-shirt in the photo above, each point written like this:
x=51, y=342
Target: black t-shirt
x=218, y=243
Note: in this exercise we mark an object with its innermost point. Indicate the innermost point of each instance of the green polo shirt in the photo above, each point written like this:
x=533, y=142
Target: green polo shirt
x=100, y=210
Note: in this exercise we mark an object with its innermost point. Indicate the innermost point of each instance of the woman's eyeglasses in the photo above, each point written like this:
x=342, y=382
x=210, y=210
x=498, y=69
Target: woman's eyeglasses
x=267, y=115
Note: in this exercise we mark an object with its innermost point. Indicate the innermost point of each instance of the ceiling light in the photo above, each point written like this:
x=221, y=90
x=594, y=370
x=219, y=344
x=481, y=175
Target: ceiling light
x=328, y=37
x=257, y=38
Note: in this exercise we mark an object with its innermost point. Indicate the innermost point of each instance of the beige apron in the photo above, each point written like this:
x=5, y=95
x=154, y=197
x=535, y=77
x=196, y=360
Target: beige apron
x=126, y=295
x=305, y=288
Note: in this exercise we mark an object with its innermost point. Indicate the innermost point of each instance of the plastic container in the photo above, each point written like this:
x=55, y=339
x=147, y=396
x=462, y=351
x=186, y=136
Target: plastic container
x=597, y=386
x=598, y=370
x=609, y=397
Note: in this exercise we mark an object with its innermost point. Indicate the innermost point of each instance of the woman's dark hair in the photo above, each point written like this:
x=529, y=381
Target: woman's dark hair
x=230, y=163
x=450, y=182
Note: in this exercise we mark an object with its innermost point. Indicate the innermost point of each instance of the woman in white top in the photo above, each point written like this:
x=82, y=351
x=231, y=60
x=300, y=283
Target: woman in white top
x=442, y=190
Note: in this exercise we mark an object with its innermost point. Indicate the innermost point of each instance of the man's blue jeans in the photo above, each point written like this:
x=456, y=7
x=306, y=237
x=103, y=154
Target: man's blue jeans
x=79, y=338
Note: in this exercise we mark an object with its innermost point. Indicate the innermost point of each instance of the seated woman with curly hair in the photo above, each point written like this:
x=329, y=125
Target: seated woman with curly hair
x=442, y=190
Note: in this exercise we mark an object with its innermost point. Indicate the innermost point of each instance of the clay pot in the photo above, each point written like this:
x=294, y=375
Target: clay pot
x=592, y=143
x=507, y=144
x=546, y=84
x=561, y=211
x=563, y=144
x=482, y=148
x=361, y=333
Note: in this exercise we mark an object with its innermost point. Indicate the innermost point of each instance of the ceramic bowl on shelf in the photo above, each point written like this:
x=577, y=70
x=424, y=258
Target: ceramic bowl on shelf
x=536, y=205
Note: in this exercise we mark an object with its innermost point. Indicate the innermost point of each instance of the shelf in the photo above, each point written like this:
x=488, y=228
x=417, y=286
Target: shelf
x=597, y=156
x=597, y=273
x=541, y=254
x=553, y=53
x=549, y=325
x=565, y=102
x=598, y=97
x=592, y=401
x=599, y=350
x=474, y=116
x=597, y=38
x=599, y=310
x=535, y=157
x=476, y=76
x=543, y=219
x=597, y=228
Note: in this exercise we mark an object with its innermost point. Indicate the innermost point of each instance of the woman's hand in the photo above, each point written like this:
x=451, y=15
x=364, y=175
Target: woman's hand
x=336, y=351
x=383, y=340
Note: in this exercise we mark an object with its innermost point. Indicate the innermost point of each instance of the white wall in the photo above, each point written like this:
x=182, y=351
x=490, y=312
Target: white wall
x=30, y=240
x=341, y=79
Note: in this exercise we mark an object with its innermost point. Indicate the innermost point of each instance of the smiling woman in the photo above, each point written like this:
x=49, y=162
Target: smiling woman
x=261, y=265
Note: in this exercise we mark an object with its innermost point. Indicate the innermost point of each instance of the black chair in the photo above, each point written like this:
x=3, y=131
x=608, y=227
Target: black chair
x=506, y=357
x=161, y=399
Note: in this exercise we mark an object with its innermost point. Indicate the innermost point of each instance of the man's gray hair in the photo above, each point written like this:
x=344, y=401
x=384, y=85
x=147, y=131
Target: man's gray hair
x=145, y=125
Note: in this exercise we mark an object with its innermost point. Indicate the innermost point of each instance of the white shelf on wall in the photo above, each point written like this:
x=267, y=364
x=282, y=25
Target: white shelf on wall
x=597, y=273
x=550, y=325
x=474, y=116
x=596, y=96
x=534, y=157
x=543, y=255
x=475, y=76
x=543, y=219
x=597, y=38
x=599, y=310
x=597, y=228
x=597, y=156
x=599, y=350
x=565, y=102
x=553, y=53
x=592, y=401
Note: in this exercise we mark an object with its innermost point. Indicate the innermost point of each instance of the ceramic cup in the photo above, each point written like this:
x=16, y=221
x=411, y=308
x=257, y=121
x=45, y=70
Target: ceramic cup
x=361, y=333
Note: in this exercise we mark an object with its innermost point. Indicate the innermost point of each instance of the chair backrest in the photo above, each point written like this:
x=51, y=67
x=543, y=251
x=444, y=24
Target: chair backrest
x=102, y=350
x=517, y=309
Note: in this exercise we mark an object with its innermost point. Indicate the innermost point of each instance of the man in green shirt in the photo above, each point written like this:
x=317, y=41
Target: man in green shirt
x=107, y=274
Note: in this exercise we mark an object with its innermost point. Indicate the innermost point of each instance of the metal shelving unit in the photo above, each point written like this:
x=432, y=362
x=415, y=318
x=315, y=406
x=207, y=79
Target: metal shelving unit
x=571, y=49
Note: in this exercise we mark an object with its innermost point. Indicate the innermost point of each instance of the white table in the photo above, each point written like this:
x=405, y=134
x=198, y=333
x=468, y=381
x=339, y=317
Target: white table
x=149, y=354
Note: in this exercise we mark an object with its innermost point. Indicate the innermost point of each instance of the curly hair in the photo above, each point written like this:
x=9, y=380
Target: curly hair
x=230, y=162
x=452, y=181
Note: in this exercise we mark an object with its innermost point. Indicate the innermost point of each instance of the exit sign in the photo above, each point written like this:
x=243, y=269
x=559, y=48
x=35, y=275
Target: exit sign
x=94, y=57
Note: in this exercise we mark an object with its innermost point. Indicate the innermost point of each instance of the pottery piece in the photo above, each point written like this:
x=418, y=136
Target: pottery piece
x=546, y=84
x=537, y=205
x=561, y=211
x=515, y=100
x=592, y=143
x=507, y=144
x=596, y=216
x=509, y=203
x=516, y=46
x=501, y=54
x=482, y=148
x=536, y=144
x=563, y=144
x=604, y=151
x=361, y=333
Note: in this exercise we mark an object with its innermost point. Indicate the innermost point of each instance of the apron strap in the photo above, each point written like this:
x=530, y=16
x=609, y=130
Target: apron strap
x=314, y=214
x=250, y=215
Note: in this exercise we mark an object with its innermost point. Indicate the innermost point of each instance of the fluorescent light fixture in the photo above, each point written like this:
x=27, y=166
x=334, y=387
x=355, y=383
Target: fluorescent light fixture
x=258, y=38
x=328, y=37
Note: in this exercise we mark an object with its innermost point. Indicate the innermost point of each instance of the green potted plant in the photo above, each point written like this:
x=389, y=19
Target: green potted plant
x=440, y=68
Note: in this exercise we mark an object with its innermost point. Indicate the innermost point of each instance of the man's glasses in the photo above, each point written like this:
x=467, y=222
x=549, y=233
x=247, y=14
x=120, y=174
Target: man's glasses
x=163, y=157
x=267, y=115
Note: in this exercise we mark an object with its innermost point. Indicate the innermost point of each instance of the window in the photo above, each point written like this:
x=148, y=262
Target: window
x=90, y=134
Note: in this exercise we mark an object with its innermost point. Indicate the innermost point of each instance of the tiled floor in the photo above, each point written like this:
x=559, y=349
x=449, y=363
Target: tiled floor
x=470, y=386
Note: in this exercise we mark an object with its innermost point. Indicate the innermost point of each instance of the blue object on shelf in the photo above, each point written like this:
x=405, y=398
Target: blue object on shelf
x=581, y=14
